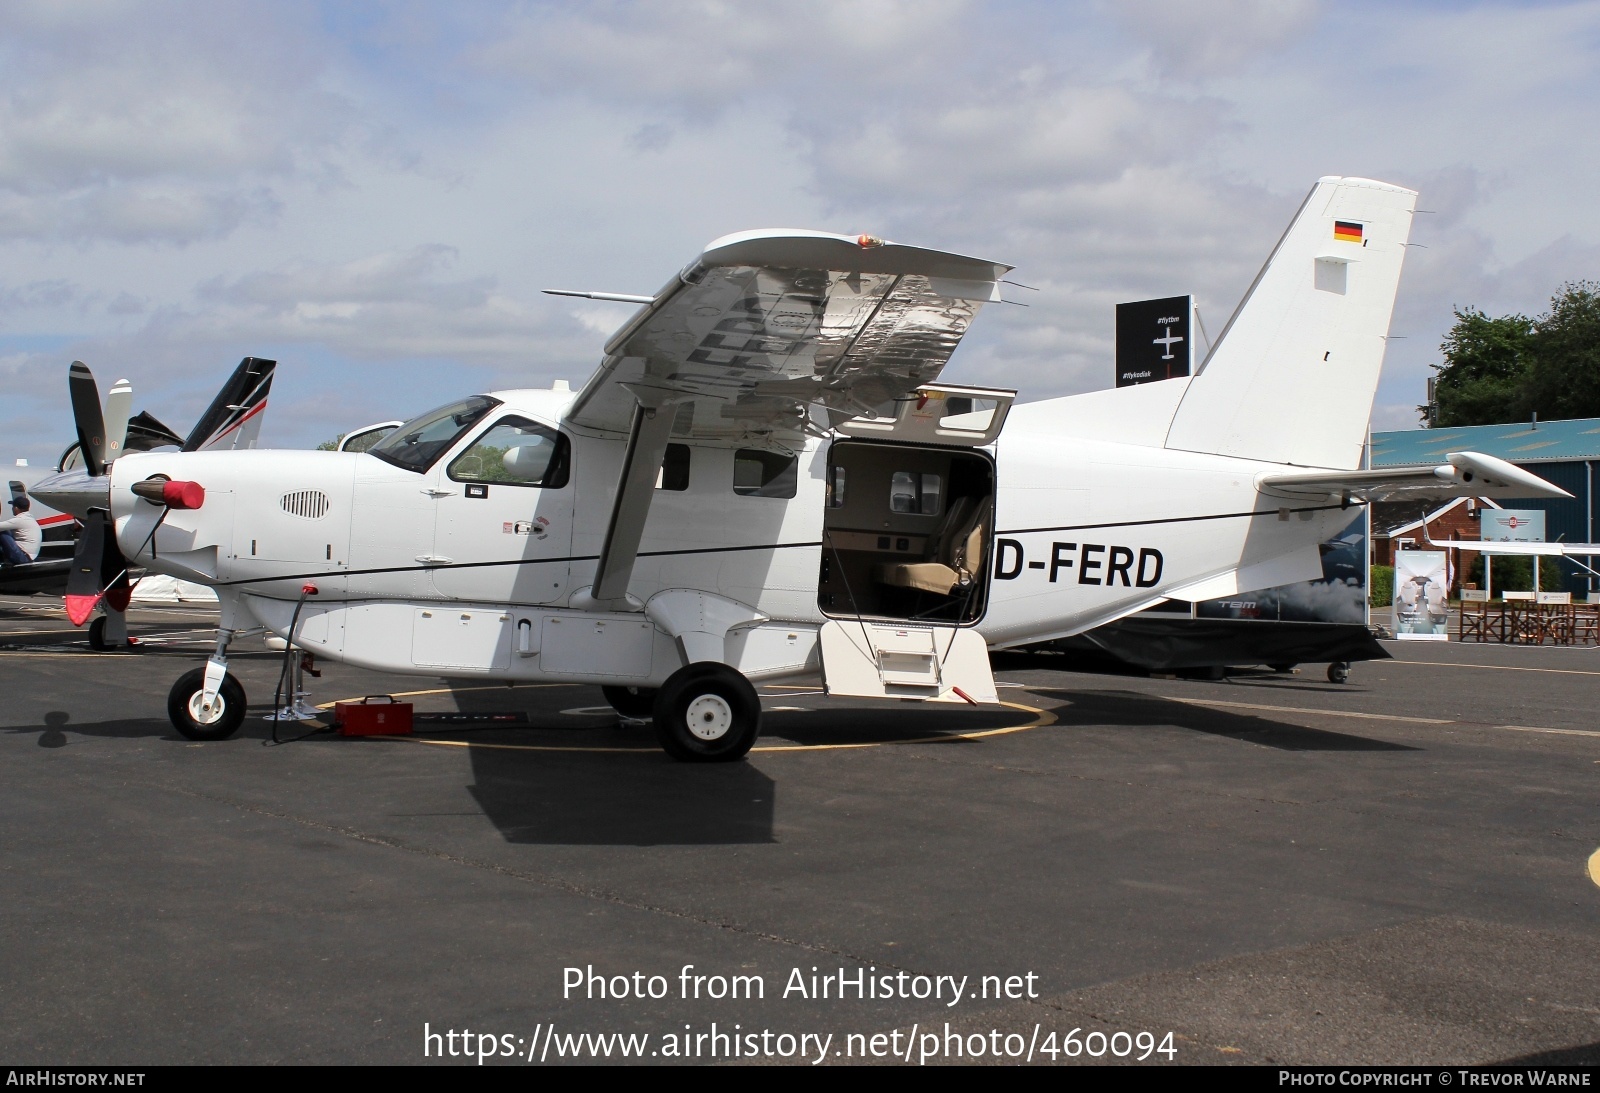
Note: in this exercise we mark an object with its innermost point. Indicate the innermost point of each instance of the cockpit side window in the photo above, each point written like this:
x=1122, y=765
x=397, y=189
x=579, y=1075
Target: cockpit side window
x=419, y=442
x=515, y=452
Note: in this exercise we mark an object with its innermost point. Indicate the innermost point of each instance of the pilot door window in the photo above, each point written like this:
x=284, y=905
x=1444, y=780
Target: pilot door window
x=515, y=452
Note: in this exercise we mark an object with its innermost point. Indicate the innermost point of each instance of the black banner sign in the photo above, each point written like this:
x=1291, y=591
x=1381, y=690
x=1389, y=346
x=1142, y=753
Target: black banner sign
x=1153, y=340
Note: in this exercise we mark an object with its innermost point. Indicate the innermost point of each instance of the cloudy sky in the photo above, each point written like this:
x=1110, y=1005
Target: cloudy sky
x=374, y=194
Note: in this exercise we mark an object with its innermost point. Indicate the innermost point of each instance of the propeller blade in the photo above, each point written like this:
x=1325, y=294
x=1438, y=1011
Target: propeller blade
x=90, y=421
x=119, y=404
x=88, y=565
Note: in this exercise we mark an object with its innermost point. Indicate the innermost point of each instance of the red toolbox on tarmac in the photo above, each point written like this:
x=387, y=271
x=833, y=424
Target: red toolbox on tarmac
x=370, y=717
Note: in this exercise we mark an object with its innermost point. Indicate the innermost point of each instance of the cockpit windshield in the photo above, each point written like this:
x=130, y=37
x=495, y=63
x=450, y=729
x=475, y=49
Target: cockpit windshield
x=420, y=441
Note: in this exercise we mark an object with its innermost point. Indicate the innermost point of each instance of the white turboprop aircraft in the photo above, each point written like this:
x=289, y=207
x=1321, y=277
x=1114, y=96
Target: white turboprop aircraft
x=764, y=479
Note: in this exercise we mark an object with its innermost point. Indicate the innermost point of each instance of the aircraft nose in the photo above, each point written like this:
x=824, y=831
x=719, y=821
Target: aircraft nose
x=74, y=492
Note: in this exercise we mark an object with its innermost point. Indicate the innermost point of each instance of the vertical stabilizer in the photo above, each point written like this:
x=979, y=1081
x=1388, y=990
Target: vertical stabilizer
x=1292, y=376
x=233, y=420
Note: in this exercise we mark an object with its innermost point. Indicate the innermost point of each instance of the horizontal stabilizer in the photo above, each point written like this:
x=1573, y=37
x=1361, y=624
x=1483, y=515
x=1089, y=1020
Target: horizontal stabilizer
x=1463, y=474
x=1546, y=550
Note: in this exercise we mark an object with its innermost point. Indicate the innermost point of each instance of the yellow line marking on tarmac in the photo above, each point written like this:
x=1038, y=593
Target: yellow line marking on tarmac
x=1496, y=667
x=1382, y=717
x=1041, y=719
x=1594, y=867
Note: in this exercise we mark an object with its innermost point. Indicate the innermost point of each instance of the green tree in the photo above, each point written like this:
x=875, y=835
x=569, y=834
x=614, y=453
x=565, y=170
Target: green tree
x=1506, y=369
x=1486, y=367
x=1565, y=377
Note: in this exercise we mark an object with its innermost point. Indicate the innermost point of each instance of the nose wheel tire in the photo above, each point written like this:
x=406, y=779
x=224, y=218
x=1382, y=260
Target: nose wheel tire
x=707, y=713
x=1338, y=671
x=635, y=702
x=186, y=707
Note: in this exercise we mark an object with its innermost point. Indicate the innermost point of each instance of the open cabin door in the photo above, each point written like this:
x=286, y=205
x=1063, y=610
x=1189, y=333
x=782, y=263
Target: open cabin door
x=938, y=413
x=908, y=534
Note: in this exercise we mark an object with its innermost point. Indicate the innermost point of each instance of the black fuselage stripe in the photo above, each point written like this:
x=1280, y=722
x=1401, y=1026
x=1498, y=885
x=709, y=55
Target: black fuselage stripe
x=735, y=549
x=509, y=561
x=1172, y=520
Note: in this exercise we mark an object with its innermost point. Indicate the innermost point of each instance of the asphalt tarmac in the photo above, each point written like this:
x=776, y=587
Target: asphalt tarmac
x=1270, y=868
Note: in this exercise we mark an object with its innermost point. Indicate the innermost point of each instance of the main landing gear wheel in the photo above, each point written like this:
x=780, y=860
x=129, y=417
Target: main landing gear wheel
x=97, y=635
x=635, y=702
x=225, y=717
x=1339, y=671
x=707, y=713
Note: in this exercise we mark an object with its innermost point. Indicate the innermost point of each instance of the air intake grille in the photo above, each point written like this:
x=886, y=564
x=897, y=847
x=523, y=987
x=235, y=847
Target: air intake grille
x=310, y=504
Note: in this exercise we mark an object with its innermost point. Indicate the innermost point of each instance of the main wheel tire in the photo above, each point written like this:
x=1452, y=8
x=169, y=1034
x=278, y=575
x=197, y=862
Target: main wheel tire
x=1338, y=672
x=635, y=702
x=183, y=707
x=97, y=635
x=707, y=713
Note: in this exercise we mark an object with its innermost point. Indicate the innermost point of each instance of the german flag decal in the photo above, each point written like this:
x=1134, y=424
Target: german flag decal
x=1348, y=232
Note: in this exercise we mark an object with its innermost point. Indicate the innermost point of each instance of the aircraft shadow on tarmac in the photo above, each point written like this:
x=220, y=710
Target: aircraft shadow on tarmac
x=631, y=797
x=58, y=727
x=612, y=799
x=1132, y=708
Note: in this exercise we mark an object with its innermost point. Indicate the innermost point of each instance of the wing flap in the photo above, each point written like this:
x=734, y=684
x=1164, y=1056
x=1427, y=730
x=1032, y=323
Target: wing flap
x=763, y=325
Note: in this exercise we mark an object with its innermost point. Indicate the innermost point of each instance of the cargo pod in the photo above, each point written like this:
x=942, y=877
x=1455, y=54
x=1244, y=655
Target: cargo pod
x=908, y=530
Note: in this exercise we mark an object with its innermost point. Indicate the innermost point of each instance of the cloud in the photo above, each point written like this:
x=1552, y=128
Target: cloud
x=159, y=122
x=399, y=303
x=1200, y=38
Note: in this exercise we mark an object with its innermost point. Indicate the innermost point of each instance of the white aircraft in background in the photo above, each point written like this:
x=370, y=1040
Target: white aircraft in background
x=764, y=478
x=232, y=421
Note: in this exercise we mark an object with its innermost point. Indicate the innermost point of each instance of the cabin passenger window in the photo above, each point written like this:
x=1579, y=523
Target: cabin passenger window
x=758, y=473
x=674, y=474
x=516, y=452
x=914, y=492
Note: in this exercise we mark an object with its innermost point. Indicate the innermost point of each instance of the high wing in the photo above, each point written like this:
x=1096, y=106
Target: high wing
x=765, y=324
x=769, y=334
x=1463, y=474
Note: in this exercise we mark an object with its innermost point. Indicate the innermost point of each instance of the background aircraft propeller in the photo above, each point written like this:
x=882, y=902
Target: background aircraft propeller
x=89, y=418
x=97, y=555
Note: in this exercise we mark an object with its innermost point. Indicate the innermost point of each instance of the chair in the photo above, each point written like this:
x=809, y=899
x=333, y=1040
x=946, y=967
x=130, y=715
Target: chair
x=955, y=552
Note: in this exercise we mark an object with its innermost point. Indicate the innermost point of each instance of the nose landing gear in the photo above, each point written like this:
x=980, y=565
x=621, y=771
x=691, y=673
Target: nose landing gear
x=197, y=719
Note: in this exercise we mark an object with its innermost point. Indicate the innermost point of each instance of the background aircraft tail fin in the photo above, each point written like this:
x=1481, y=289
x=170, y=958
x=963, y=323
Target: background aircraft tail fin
x=233, y=420
x=1292, y=376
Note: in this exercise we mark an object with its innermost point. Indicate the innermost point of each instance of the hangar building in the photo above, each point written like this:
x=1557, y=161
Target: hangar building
x=1563, y=452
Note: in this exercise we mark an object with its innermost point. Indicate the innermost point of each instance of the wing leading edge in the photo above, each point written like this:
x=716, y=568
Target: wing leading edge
x=764, y=325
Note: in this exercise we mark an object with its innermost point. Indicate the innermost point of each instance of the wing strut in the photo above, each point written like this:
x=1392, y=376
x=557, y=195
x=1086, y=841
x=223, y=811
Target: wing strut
x=641, y=463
